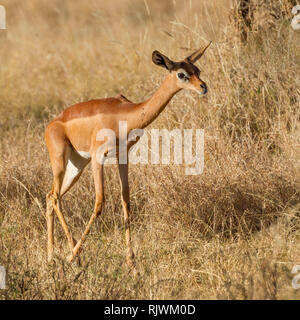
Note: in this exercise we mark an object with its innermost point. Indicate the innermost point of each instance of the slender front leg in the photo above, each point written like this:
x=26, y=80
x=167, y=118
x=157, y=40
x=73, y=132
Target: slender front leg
x=50, y=226
x=123, y=172
x=98, y=180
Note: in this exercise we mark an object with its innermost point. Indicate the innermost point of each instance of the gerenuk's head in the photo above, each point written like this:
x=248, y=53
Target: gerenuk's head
x=187, y=75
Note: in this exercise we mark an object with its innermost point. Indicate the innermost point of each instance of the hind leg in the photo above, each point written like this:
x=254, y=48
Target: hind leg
x=50, y=226
x=55, y=201
x=57, y=145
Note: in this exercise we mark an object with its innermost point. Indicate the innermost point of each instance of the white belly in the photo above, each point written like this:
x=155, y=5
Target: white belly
x=84, y=154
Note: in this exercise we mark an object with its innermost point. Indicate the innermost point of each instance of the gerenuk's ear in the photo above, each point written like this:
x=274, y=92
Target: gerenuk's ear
x=162, y=61
x=197, y=54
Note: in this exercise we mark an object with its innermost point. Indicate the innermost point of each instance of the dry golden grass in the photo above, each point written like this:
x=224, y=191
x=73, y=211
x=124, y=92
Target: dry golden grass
x=230, y=233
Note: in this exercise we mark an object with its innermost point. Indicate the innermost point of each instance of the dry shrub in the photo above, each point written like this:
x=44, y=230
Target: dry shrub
x=250, y=16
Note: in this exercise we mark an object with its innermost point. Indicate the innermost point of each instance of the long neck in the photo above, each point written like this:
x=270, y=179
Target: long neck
x=147, y=111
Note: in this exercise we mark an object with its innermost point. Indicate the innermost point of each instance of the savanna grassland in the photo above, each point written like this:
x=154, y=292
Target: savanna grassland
x=232, y=232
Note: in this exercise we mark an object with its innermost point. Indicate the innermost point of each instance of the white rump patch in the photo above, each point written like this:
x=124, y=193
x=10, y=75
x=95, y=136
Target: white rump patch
x=75, y=163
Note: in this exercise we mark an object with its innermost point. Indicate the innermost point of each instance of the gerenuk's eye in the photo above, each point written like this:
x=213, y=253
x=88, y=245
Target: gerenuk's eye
x=181, y=75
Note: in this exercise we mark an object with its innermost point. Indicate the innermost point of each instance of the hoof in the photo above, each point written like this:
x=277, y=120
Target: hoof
x=130, y=260
x=50, y=257
x=70, y=258
x=74, y=260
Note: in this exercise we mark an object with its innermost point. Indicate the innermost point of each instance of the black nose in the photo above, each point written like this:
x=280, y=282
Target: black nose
x=204, y=87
